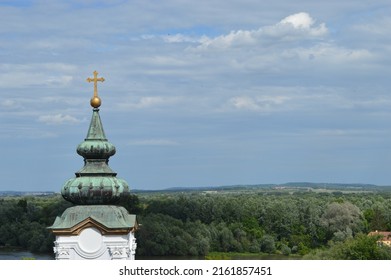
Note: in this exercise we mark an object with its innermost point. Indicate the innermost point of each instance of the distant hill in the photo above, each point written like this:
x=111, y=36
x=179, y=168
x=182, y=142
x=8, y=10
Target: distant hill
x=20, y=193
x=285, y=186
x=290, y=186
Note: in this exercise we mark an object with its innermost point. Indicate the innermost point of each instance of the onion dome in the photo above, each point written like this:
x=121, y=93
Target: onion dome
x=95, y=182
x=96, y=146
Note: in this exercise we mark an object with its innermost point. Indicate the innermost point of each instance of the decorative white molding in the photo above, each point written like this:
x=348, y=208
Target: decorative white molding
x=119, y=253
x=61, y=252
x=91, y=245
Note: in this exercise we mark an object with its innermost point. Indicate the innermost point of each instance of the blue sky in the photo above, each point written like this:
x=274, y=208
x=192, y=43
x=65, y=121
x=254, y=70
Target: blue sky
x=197, y=93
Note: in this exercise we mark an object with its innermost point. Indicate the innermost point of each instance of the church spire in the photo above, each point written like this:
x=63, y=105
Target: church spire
x=96, y=182
x=94, y=228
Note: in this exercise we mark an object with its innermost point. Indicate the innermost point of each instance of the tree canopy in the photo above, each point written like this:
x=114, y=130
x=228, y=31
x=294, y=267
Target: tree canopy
x=317, y=225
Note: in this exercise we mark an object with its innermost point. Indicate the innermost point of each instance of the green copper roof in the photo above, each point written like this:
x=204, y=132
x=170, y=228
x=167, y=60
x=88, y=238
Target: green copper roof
x=95, y=187
x=95, y=131
x=96, y=146
x=110, y=216
x=95, y=182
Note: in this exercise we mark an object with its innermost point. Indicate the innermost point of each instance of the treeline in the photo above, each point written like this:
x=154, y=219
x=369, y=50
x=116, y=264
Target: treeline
x=313, y=225
x=325, y=225
x=24, y=222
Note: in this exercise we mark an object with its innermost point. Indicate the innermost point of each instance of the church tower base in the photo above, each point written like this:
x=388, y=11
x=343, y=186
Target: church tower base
x=95, y=232
x=91, y=245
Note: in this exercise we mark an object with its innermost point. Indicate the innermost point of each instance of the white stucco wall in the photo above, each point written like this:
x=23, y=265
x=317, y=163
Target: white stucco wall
x=90, y=244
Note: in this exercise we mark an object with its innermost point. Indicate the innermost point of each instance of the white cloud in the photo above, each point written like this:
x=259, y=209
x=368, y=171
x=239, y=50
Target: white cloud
x=303, y=22
x=151, y=102
x=245, y=102
x=328, y=53
x=58, y=119
x=300, y=20
x=36, y=74
x=10, y=104
x=163, y=61
x=296, y=26
x=233, y=39
x=341, y=132
x=264, y=104
x=181, y=38
x=381, y=26
x=153, y=142
x=52, y=46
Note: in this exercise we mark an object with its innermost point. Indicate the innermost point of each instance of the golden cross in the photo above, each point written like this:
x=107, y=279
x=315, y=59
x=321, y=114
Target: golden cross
x=95, y=100
x=95, y=80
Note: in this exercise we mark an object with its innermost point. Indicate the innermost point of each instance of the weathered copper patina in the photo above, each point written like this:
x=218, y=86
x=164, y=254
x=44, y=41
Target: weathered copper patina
x=95, y=182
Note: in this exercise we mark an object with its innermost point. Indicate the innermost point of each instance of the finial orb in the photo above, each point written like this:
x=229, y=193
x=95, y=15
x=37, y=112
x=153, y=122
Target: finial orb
x=95, y=102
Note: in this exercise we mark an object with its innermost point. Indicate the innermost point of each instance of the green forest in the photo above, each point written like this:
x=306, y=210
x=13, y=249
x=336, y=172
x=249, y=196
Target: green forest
x=218, y=224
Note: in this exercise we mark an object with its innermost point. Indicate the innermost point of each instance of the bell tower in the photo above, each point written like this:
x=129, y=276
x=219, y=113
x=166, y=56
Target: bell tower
x=95, y=227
